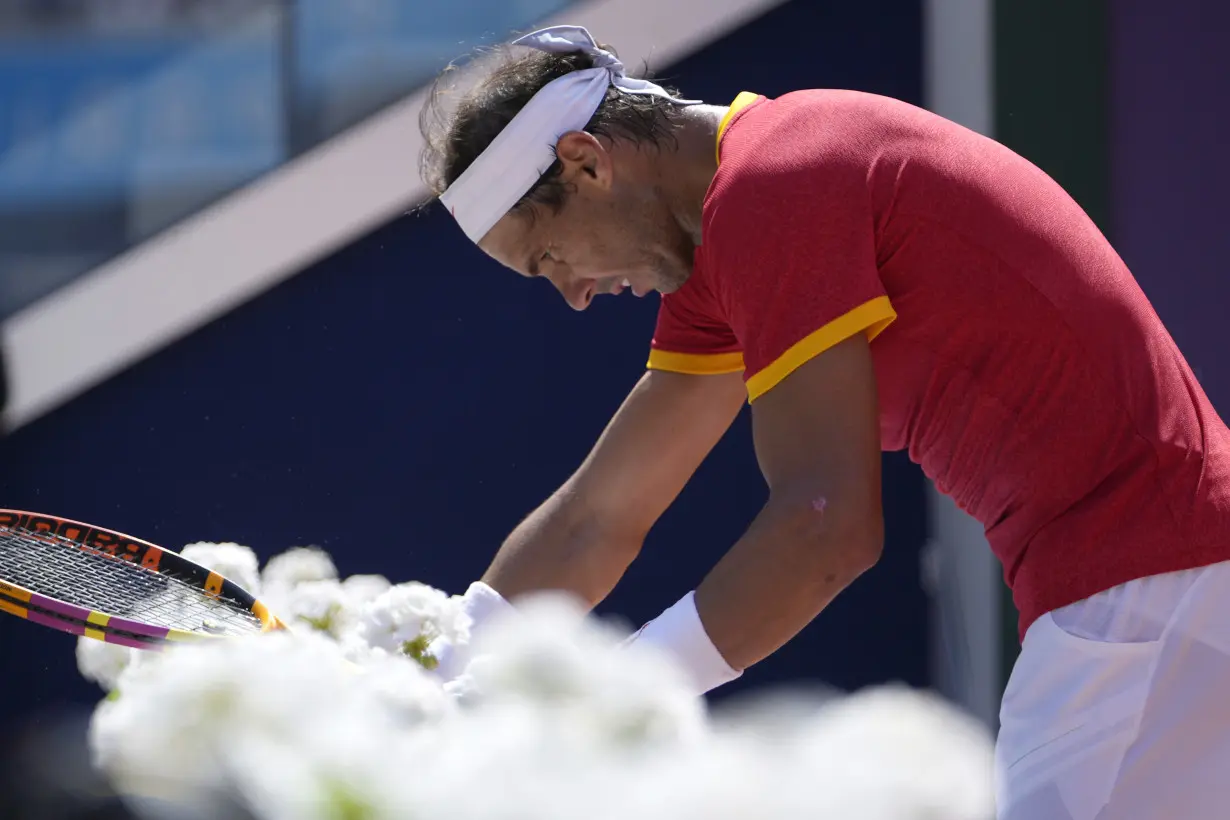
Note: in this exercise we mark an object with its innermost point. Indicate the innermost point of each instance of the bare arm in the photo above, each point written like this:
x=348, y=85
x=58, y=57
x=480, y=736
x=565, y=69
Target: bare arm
x=818, y=441
x=584, y=536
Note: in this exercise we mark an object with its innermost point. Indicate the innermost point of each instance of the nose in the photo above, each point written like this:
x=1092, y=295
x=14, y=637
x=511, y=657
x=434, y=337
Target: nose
x=578, y=293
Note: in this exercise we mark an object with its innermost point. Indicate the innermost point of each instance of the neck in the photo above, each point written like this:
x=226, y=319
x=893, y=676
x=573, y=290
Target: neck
x=686, y=173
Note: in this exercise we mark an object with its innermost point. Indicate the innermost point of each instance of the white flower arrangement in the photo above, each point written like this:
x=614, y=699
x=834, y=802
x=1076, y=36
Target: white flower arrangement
x=322, y=606
x=406, y=618
x=230, y=560
x=341, y=716
x=103, y=663
x=285, y=571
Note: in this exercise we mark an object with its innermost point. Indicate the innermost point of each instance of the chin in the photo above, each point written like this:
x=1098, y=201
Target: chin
x=672, y=281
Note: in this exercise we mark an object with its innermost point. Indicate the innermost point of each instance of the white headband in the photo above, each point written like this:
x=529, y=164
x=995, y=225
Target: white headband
x=525, y=149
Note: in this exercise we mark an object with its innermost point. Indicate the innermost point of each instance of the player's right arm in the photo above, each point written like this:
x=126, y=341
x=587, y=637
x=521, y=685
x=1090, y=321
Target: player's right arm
x=582, y=539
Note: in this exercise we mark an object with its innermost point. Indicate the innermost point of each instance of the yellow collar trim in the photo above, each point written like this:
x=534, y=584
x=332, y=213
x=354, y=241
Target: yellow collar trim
x=742, y=101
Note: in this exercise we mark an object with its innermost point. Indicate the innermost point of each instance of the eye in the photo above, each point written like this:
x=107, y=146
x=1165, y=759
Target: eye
x=535, y=262
x=536, y=269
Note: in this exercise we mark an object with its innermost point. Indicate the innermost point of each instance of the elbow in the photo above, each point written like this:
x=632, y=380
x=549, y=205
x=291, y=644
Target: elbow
x=860, y=540
x=594, y=522
x=622, y=545
x=827, y=526
x=867, y=541
x=591, y=529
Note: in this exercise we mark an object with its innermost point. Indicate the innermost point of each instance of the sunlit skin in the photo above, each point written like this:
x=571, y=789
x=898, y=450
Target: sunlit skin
x=631, y=219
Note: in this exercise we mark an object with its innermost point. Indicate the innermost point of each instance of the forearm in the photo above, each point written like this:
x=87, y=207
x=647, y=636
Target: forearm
x=563, y=546
x=780, y=575
x=583, y=538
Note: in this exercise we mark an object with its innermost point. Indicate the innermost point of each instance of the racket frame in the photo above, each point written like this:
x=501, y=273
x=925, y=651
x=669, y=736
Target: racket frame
x=116, y=546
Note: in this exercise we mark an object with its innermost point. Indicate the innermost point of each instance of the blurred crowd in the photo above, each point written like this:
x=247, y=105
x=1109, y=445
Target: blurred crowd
x=121, y=16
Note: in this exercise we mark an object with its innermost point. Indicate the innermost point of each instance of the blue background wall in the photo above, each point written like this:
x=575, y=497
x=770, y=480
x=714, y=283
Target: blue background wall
x=404, y=403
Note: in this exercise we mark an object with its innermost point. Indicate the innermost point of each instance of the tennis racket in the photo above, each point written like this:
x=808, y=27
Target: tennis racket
x=105, y=585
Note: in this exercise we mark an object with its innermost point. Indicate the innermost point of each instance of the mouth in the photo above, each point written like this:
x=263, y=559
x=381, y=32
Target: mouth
x=618, y=286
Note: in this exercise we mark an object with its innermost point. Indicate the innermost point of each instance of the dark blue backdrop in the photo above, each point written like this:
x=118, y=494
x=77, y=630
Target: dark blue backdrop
x=405, y=402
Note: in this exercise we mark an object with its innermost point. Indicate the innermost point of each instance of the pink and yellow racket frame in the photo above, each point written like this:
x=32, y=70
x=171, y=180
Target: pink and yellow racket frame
x=115, y=546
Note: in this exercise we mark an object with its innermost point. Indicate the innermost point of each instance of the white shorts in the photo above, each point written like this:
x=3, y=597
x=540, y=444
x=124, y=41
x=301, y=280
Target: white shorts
x=1118, y=707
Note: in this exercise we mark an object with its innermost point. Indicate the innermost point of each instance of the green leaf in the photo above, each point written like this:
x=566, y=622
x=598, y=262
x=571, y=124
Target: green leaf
x=417, y=649
x=326, y=623
x=344, y=803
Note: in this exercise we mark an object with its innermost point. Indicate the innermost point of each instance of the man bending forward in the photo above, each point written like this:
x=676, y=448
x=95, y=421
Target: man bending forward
x=873, y=277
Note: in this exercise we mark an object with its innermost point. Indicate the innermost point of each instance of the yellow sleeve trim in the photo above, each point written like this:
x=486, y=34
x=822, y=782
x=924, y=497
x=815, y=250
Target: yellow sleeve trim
x=870, y=317
x=696, y=364
x=744, y=99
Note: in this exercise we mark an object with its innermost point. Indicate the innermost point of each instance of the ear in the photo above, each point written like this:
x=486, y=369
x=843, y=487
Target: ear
x=585, y=159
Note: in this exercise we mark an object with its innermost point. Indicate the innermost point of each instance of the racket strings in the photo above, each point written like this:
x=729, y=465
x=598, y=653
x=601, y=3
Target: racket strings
x=57, y=567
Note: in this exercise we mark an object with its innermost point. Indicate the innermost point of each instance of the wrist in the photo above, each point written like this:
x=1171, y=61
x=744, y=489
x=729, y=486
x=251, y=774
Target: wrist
x=482, y=603
x=479, y=605
x=680, y=633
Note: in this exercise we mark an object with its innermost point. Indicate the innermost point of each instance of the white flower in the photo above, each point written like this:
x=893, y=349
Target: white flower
x=336, y=770
x=451, y=622
x=232, y=561
x=363, y=588
x=284, y=572
x=103, y=662
x=555, y=719
x=404, y=618
x=575, y=669
x=931, y=760
x=320, y=605
x=242, y=715
x=296, y=565
x=403, y=686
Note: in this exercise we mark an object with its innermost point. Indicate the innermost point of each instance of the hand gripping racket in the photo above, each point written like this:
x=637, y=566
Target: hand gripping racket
x=112, y=587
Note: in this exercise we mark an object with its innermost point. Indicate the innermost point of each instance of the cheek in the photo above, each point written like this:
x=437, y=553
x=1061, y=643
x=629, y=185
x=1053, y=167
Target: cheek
x=601, y=244
x=624, y=239
x=605, y=239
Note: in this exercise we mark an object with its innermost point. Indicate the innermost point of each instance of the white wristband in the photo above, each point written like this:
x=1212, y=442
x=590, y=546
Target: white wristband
x=679, y=632
x=481, y=603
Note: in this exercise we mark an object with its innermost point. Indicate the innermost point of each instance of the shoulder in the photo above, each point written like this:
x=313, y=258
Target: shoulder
x=784, y=140
x=811, y=120
x=809, y=152
x=787, y=157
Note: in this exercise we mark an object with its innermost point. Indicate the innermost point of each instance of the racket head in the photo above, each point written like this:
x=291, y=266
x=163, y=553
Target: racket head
x=109, y=586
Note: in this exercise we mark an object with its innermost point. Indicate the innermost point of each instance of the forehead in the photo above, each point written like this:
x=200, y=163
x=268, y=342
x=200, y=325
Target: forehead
x=517, y=240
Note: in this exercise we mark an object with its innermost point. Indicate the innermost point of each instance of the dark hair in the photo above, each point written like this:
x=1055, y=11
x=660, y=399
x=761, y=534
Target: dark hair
x=457, y=127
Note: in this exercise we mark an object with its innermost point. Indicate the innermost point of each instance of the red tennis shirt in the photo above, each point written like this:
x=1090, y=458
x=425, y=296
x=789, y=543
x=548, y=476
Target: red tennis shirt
x=1016, y=357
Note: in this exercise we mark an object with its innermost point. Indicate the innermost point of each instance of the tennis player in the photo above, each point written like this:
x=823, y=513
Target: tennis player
x=872, y=277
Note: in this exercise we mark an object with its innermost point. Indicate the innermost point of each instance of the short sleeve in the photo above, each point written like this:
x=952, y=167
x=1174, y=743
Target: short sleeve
x=792, y=251
x=691, y=336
